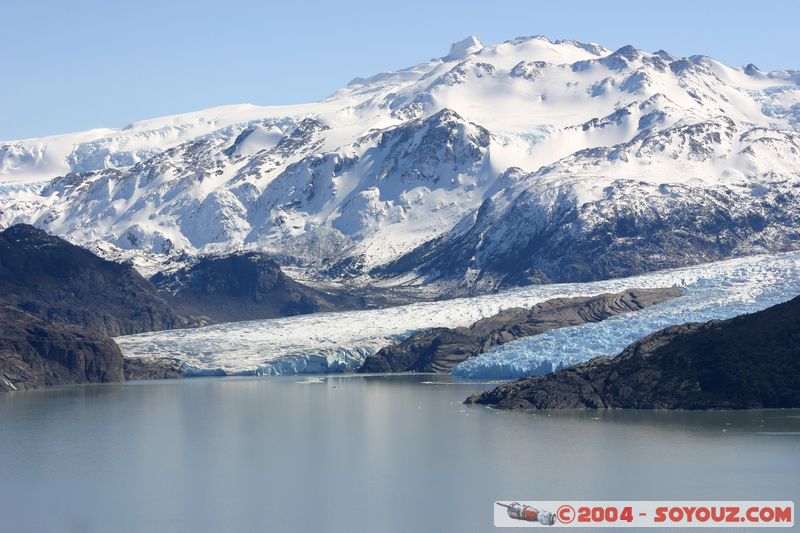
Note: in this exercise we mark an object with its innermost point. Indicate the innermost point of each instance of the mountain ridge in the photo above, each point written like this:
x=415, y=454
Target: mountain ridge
x=447, y=156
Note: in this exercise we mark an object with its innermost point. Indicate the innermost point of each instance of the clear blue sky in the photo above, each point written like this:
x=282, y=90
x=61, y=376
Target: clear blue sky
x=79, y=64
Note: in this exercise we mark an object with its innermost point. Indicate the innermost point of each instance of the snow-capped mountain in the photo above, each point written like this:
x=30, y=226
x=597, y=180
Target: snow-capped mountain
x=531, y=160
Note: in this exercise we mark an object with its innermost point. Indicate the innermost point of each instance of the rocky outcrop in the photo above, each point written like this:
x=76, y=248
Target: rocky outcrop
x=145, y=368
x=440, y=349
x=48, y=277
x=244, y=286
x=751, y=361
x=37, y=353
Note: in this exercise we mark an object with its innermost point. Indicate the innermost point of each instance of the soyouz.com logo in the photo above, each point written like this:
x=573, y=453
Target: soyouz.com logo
x=618, y=514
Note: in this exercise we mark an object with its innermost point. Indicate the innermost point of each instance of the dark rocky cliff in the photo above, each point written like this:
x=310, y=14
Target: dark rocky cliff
x=244, y=286
x=48, y=277
x=37, y=353
x=59, y=306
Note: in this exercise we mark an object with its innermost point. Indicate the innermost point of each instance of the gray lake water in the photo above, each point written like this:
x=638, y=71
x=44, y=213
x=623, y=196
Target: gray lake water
x=352, y=453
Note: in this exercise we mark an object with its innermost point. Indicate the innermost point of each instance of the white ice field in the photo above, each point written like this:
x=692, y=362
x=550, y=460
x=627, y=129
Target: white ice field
x=337, y=342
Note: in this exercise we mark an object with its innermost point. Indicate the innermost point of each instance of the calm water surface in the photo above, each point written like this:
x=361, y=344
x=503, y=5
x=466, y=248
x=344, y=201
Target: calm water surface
x=352, y=453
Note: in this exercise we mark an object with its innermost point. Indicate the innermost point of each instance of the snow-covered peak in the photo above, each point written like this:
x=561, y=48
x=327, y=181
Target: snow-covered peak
x=37, y=159
x=463, y=48
x=540, y=48
x=396, y=159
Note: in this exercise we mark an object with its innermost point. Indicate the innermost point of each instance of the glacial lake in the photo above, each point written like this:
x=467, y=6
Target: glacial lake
x=342, y=453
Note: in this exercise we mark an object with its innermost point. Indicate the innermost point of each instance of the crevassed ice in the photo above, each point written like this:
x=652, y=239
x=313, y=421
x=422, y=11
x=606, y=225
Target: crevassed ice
x=723, y=291
x=336, y=342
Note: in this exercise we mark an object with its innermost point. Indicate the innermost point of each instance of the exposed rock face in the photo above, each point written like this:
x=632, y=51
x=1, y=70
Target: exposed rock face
x=751, y=361
x=51, y=278
x=36, y=353
x=440, y=349
x=244, y=286
x=142, y=368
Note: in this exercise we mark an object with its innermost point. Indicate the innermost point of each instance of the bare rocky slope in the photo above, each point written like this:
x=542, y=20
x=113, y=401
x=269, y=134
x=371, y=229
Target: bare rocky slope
x=247, y=286
x=58, y=281
x=37, y=353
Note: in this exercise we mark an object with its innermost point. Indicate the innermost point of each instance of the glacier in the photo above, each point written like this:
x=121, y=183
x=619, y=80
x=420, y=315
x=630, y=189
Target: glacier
x=339, y=342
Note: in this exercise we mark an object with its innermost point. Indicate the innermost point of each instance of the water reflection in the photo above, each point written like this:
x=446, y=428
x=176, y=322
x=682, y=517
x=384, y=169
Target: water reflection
x=355, y=453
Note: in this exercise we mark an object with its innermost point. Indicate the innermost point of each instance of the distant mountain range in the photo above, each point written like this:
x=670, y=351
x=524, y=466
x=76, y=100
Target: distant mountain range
x=527, y=161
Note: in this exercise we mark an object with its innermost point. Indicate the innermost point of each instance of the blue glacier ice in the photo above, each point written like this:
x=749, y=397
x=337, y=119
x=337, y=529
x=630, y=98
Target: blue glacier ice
x=723, y=291
x=339, y=342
